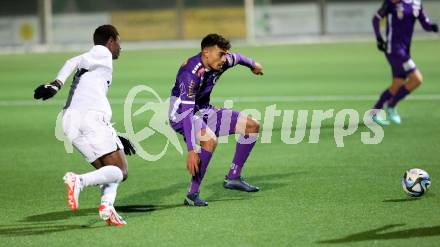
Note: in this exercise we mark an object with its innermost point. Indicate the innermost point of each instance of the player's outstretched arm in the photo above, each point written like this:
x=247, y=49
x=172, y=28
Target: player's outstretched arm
x=237, y=58
x=48, y=90
x=425, y=23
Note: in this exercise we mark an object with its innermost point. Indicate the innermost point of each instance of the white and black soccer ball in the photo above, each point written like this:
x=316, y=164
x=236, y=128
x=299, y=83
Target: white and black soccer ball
x=415, y=182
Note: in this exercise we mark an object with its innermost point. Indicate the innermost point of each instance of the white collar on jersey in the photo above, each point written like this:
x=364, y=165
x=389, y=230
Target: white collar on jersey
x=101, y=51
x=417, y=2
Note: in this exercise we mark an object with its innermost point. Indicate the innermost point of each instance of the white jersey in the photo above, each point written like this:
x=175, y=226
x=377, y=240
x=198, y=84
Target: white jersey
x=89, y=90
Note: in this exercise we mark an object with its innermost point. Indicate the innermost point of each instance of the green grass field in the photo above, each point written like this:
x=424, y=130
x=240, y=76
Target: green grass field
x=311, y=194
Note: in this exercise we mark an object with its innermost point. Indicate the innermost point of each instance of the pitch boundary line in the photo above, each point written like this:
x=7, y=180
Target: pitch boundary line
x=238, y=99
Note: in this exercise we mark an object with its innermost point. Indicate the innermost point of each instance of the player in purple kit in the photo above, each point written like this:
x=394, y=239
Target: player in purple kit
x=199, y=122
x=401, y=17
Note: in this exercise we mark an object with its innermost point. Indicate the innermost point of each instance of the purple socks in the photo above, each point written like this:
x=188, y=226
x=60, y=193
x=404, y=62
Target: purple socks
x=401, y=94
x=242, y=151
x=386, y=95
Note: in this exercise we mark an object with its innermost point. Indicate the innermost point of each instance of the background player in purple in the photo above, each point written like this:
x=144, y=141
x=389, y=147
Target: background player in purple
x=401, y=17
x=199, y=122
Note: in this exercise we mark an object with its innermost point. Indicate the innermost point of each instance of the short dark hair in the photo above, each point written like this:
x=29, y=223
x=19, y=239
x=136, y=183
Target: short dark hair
x=103, y=33
x=215, y=39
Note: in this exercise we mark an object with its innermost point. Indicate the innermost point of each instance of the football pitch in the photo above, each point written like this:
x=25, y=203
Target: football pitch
x=312, y=194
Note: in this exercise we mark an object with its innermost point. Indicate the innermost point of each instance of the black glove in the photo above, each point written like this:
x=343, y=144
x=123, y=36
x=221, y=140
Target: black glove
x=434, y=27
x=47, y=91
x=128, y=147
x=381, y=44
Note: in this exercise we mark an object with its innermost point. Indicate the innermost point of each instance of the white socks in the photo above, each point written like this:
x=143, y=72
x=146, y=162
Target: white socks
x=103, y=176
x=108, y=193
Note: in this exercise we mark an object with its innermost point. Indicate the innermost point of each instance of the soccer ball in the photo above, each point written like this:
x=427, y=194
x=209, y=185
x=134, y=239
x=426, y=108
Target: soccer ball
x=415, y=182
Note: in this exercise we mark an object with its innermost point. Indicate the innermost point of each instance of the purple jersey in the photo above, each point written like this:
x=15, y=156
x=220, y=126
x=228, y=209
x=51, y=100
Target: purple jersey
x=192, y=90
x=401, y=17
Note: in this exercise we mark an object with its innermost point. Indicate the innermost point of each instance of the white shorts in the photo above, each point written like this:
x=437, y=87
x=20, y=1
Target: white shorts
x=91, y=133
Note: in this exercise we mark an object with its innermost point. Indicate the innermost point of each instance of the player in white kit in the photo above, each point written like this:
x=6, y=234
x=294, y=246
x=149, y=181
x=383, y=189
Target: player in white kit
x=86, y=122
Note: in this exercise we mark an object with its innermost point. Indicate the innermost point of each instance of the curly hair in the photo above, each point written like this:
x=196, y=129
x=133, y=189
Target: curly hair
x=215, y=39
x=103, y=33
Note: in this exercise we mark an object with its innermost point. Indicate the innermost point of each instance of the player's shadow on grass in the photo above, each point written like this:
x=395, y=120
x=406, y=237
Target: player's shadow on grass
x=145, y=208
x=402, y=200
x=410, y=199
x=383, y=233
x=214, y=193
x=154, y=196
x=43, y=223
x=36, y=226
x=60, y=215
x=39, y=229
x=64, y=215
x=264, y=182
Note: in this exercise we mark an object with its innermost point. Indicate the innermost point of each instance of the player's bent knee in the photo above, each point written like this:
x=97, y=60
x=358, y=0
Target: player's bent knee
x=414, y=83
x=416, y=78
x=207, y=139
x=124, y=172
x=257, y=127
x=207, y=135
x=209, y=145
x=114, y=173
x=252, y=126
x=419, y=80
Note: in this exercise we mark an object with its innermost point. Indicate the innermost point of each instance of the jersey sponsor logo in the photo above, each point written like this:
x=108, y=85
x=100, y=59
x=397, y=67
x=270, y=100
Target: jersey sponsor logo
x=190, y=93
x=196, y=68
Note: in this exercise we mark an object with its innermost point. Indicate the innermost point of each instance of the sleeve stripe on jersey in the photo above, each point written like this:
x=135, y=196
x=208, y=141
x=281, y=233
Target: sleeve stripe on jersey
x=378, y=16
x=187, y=102
x=390, y=33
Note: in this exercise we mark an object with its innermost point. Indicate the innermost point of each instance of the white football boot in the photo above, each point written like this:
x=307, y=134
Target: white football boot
x=109, y=214
x=74, y=187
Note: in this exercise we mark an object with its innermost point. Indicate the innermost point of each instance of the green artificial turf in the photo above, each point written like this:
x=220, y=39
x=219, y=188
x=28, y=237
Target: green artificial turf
x=312, y=194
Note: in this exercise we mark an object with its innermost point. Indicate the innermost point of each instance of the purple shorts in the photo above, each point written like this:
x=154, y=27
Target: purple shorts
x=220, y=120
x=401, y=64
